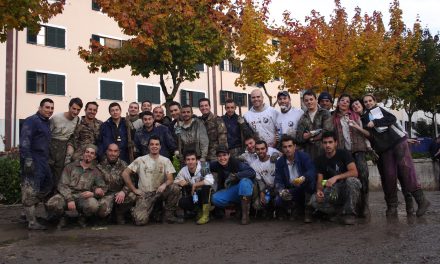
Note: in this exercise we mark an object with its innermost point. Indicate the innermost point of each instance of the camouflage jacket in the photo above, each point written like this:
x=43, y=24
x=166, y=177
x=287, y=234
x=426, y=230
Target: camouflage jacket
x=85, y=133
x=217, y=134
x=193, y=137
x=76, y=180
x=112, y=174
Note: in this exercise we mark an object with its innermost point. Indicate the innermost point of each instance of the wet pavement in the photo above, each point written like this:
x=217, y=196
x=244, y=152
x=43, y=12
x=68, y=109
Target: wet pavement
x=405, y=240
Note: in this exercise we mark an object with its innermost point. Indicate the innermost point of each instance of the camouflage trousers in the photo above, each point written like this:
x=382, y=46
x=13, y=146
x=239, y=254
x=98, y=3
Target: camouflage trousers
x=57, y=205
x=107, y=204
x=145, y=203
x=343, y=195
x=30, y=196
x=57, y=150
x=235, y=152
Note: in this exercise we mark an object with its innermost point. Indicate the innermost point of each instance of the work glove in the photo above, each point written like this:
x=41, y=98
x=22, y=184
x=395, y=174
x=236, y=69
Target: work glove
x=286, y=195
x=232, y=177
x=240, y=120
x=28, y=168
x=274, y=157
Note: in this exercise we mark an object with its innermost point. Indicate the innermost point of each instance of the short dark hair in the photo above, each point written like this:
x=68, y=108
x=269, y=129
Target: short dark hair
x=342, y=96
x=309, y=93
x=286, y=138
x=154, y=137
x=328, y=134
x=190, y=152
x=76, y=101
x=246, y=138
x=146, y=101
x=187, y=106
x=136, y=103
x=258, y=142
x=92, y=103
x=46, y=100
x=174, y=103
x=229, y=101
x=144, y=113
x=356, y=100
x=113, y=105
x=205, y=100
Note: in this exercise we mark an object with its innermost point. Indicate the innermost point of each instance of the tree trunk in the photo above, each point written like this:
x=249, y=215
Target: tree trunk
x=410, y=114
x=267, y=94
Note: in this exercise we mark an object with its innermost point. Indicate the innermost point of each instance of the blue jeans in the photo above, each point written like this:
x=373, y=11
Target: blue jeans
x=231, y=195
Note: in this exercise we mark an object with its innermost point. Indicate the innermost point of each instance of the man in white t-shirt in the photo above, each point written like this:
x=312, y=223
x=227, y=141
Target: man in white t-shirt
x=155, y=184
x=288, y=119
x=250, y=155
x=262, y=118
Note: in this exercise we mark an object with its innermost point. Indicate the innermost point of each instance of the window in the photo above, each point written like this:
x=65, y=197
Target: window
x=231, y=65
x=46, y=83
x=191, y=98
x=200, y=67
x=95, y=6
x=108, y=42
x=48, y=36
x=147, y=92
x=111, y=90
x=240, y=99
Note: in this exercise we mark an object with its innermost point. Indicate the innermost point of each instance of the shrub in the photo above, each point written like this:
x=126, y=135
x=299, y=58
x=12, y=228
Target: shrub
x=10, y=180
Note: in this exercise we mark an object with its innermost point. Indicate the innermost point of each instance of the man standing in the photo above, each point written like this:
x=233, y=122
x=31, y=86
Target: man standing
x=341, y=187
x=133, y=117
x=37, y=181
x=262, y=118
x=111, y=168
x=215, y=127
x=234, y=182
x=142, y=136
x=80, y=187
x=294, y=179
x=174, y=109
x=312, y=125
x=250, y=155
x=191, y=134
x=86, y=132
x=288, y=119
x=114, y=130
x=325, y=101
x=236, y=127
x=160, y=117
x=155, y=183
x=146, y=106
x=62, y=126
x=195, y=181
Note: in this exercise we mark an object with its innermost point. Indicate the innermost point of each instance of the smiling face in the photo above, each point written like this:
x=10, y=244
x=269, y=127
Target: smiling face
x=91, y=111
x=158, y=113
x=175, y=111
x=186, y=113
x=133, y=109
x=112, y=152
x=230, y=109
x=369, y=102
x=154, y=146
x=146, y=106
x=257, y=99
x=46, y=110
x=204, y=107
x=191, y=162
x=250, y=145
x=344, y=103
x=357, y=107
x=284, y=102
x=310, y=102
x=74, y=110
x=223, y=158
x=261, y=151
x=89, y=155
x=115, y=112
x=148, y=121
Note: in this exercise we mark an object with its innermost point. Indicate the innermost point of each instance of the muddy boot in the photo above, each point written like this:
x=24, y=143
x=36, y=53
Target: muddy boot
x=62, y=223
x=422, y=202
x=245, y=207
x=205, y=215
x=308, y=215
x=349, y=219
x=366, y=207
x=409, y=203
x=391, y=212
x=171, y=219
x=82, y=222
x=32, y=220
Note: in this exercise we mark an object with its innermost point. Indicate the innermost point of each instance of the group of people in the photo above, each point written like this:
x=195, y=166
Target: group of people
x=279, y=164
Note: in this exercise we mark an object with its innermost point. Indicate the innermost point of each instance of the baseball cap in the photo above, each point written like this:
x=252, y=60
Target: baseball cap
x=221, y=149
x=325, y=95
x=283, y=93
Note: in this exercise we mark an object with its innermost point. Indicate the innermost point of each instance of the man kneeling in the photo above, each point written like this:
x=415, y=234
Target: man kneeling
x=195, y=182
x=155, y=184
x=80, y=186
x=337, y=185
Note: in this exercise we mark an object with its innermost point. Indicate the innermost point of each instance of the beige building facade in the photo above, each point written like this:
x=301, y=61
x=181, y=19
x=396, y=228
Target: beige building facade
x=48, y=65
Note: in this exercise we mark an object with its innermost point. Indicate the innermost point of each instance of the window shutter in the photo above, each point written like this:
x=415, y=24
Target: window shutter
x=51, y=84
x=200, y=67
x=243, y=99
x=51, y=39
x=155, y=95
x=111, y=90
x=60, y=38
x=31, y=38
x=31, y=82
x=222, y=97
x=146, y=92
x=95, y=6
x=61, y=84
x=222, y=65
x=238, y=99
x=183, y=97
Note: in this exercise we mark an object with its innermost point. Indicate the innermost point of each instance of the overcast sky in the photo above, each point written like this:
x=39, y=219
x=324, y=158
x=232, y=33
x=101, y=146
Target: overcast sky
x=428, y=10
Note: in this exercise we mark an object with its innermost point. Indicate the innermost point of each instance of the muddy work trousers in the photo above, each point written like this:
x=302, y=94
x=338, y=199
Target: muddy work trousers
x=204, y=197
x=145, y=203
x=57, y=150
x=107, y=204
x=57, y=205
x=343, y=195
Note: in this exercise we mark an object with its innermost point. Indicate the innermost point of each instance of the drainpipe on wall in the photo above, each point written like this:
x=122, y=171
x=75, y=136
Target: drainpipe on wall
x=214, y=89
x=8, y=88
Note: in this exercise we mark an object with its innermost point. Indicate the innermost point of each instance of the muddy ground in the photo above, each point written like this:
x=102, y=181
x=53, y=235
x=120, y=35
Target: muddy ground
x=406, y=240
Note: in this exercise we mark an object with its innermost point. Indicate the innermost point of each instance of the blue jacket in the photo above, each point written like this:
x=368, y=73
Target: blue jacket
x=305, y=166
x=241, y=169
x=108, y=135
x=236, y=131
x=167, y=142
x=34, y=144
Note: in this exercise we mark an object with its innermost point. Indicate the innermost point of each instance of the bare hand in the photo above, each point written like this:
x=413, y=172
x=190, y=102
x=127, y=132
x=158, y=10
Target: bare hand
x=193, y=189
x=307, y=135
x=262, y=198
x=331, y=181
x=182, y=183
x=370, y=124
x=319, y=196
x=86, y=194
x=161, y=188
x=99, y=192
x=137, y=192
x=120, y=197
x=71, y=206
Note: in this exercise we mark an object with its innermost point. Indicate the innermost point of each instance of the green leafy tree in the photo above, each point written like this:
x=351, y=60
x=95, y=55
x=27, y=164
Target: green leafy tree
x=20, y=14
x=169, y=38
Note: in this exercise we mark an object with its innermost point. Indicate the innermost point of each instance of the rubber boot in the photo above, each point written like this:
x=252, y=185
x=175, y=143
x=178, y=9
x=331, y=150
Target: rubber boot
x=409, y=203
x=205, y=215
x=171, y=219
x=392, y=203
x=120, y=214
x=32, y=220
x=62, y=223
x=82, y=221
x=422, y=202
x=245, y=207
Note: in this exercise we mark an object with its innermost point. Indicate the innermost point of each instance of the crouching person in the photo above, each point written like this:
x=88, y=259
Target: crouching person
x=338, y=187
x=195, y=180
x=234, y=182
x=80, y=187
x=155, y=184
x=295, y=178
x=118, y=196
